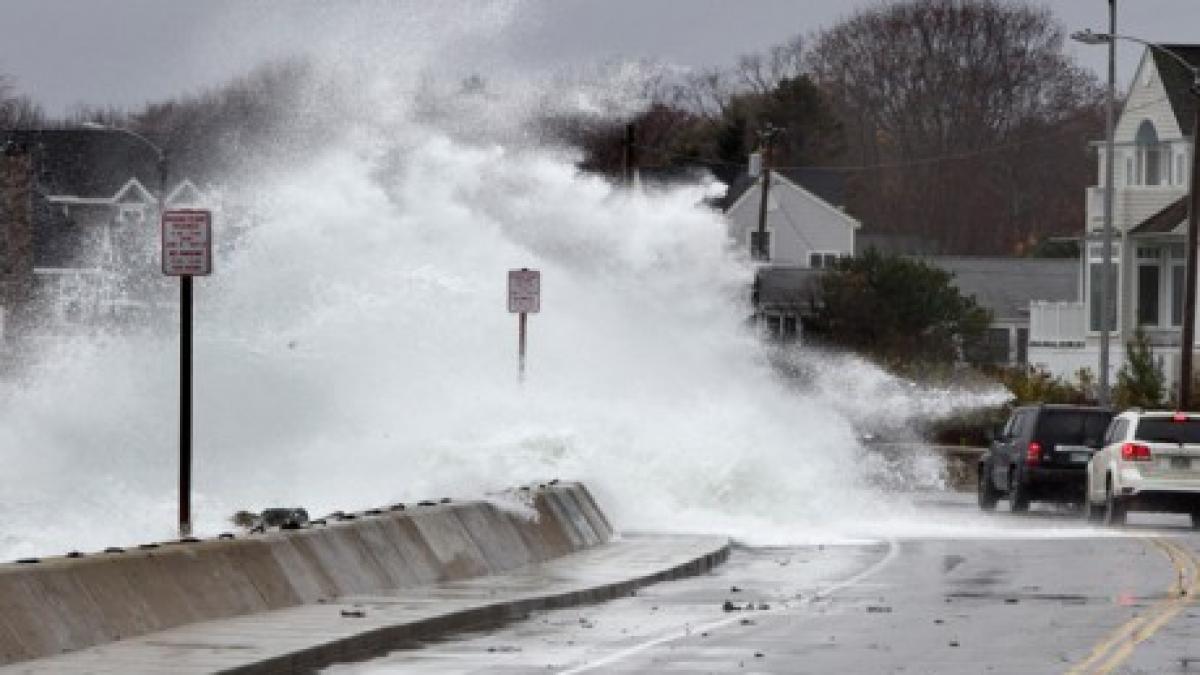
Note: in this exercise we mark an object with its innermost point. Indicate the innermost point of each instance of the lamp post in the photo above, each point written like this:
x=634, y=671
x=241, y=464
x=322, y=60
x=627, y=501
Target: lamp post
x=185, y=342
x=1188, y=337
x=1087, y=37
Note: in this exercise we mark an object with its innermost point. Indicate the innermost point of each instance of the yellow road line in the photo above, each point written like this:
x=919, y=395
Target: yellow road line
x=1119, y=645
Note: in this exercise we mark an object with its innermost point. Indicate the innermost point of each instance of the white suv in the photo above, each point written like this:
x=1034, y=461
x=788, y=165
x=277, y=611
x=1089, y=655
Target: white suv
x=1150, y=462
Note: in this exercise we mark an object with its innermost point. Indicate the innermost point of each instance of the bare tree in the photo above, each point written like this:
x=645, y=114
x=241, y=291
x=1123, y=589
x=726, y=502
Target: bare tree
x=18, y=111
x=763, y=73
x=968, y=96
x=706, y=92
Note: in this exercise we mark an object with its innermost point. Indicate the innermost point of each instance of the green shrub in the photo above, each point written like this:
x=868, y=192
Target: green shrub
x=1140, y=382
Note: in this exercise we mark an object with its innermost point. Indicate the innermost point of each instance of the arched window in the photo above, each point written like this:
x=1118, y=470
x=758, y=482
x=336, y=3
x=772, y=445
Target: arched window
x=1149, y=154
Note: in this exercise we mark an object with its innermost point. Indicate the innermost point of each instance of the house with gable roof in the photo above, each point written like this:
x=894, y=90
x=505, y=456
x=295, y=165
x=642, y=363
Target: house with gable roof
x=806, y=224
x=78, y=226
x=1151, y=161
x=807, y=229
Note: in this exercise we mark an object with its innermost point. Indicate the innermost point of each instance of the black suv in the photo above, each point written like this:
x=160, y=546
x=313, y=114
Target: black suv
x=1041, y=455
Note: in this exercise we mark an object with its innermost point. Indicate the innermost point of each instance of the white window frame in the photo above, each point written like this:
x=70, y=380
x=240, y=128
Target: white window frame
x=132, y=213
x=1151, y=256
x=837, y=255
x=774, y=325
x=1169, y=319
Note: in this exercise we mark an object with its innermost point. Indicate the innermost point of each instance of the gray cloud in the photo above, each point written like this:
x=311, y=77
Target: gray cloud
x=126, y=52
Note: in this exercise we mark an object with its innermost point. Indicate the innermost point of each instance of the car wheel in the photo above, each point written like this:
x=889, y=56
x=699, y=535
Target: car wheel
x=1018, y=494
x=987, y=492
x=1115, y=508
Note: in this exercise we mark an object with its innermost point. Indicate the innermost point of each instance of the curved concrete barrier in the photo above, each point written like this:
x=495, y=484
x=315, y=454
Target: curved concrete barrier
x=57, y=605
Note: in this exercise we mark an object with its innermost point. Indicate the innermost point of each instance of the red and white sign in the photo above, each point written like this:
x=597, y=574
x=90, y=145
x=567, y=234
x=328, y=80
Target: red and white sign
x=524, y=291
x=187, y=242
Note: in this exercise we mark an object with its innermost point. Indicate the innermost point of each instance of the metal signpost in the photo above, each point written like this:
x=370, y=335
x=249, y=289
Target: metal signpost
x=524, y=297
x=186, y=252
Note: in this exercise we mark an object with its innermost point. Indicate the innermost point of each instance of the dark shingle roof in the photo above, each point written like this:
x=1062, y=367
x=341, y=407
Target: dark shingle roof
x=1178, y=81
x=787, y=286
x=1165, y=220
x=86, y=162
x=828, y=185
x=895, y=243
x=1007, y=285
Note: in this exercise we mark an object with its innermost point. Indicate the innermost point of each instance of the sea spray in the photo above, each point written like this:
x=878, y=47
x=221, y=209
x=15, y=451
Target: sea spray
x=353, y=348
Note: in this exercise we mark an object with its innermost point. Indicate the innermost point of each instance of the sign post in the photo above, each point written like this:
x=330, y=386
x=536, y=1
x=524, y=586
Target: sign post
x=186, y=252
x=524, y=297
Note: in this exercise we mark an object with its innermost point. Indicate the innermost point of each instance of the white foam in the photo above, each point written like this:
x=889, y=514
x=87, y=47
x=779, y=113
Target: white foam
x=353, y=349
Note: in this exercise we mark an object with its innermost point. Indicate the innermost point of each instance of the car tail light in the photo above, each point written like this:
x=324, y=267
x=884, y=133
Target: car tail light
x=1135, y=452
x=1034, y=454
x=1179, y=417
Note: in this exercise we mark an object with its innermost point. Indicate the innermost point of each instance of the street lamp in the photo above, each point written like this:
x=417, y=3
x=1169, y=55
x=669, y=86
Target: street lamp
x=1087, y=37
x=1189, y=294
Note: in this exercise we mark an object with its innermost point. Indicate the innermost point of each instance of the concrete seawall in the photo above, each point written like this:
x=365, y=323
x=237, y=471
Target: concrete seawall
x=57, y=605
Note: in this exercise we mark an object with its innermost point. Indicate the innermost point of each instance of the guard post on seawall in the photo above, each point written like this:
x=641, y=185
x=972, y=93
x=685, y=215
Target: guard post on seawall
x=186, y=252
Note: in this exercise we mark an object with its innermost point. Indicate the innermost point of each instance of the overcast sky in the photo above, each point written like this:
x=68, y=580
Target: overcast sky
x=126, y=52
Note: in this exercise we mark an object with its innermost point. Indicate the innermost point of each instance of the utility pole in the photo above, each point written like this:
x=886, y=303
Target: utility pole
x=1189, y=293
x=1106, y=289
x=629, y=156
x=762, y=252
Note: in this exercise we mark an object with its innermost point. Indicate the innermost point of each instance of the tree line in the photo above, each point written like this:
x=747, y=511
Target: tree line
x=959, y=122
x=225, y=131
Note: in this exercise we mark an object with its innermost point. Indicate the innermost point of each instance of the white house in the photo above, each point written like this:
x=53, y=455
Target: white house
x=805, y=225
x=79, y=227
x=1153, y=146
x=806, y=230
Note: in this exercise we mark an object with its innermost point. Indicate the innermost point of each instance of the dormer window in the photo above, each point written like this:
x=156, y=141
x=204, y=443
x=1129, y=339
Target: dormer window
x=132, y=214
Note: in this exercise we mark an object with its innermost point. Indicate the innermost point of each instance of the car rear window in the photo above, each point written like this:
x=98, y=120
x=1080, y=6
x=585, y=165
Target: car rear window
x=1167, y=430
x=1073, y=427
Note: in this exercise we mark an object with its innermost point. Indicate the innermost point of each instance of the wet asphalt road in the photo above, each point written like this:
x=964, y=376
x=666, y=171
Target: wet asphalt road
x=1036, y=599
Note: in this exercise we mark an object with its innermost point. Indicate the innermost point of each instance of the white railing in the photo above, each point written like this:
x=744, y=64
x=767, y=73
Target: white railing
x=1057, y=324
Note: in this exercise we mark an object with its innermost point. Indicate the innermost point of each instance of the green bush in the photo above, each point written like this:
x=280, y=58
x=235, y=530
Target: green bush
x=896, y=310
x=1035, y=385
x=1140, y=382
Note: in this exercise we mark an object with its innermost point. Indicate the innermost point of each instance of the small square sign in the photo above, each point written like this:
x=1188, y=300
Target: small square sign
x=524, y=291
x=187, y=242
